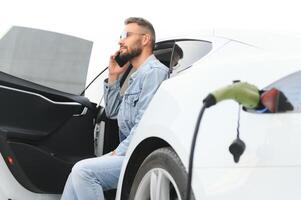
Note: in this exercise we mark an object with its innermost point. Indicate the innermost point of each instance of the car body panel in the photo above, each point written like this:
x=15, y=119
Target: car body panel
x=171, y=116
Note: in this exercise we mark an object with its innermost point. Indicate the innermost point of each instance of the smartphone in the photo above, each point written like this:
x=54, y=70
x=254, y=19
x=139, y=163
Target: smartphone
x=121, y=60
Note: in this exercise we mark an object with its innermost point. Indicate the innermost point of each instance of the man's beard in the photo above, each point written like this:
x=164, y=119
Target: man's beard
x=130, y=55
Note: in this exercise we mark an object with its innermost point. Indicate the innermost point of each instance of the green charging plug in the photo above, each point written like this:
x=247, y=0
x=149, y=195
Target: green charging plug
x=245, y=94
x=242, y=92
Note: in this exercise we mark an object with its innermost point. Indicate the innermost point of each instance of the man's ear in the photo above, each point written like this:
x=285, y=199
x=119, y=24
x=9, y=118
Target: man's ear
x=146, y=39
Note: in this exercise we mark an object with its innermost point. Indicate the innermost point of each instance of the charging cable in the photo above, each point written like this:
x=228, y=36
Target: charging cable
x=244, y=93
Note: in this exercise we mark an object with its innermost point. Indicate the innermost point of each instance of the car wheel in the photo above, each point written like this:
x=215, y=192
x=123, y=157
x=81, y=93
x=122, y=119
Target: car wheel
x=161, y=176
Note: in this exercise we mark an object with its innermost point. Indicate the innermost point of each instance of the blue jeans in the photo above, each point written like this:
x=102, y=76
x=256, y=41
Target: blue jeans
x=90, y=177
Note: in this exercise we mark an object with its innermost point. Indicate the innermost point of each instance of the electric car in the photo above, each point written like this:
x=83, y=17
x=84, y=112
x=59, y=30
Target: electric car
x=47, y=124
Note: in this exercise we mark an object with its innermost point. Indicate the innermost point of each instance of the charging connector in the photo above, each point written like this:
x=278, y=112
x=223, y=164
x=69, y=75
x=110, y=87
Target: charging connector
x=244, y=93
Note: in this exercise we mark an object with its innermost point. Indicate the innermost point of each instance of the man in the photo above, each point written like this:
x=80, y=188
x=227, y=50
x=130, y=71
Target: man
x=90, y=177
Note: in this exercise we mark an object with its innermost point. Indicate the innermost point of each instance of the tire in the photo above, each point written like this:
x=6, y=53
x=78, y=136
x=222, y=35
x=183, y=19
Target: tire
x=161, y=176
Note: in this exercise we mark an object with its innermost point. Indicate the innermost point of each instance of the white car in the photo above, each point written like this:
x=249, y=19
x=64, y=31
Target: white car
x=46, y=125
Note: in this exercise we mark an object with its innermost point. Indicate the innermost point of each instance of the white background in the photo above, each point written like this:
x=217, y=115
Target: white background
x=102, y=20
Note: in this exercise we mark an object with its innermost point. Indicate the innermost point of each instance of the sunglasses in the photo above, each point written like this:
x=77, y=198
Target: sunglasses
x=126, y=34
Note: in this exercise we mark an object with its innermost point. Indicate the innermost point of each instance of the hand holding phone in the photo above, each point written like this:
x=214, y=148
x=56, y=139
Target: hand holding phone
x=121, y=60
x=116, y=67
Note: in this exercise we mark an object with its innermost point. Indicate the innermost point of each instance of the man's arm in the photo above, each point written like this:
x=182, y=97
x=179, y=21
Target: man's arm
x=112, y=87
x=112, y=98
x=151, y=83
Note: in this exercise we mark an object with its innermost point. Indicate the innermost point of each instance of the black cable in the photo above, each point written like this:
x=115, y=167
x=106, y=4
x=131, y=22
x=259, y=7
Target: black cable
x=93, y=81
x=171, y=59
x=195, y=134
x=238, y=122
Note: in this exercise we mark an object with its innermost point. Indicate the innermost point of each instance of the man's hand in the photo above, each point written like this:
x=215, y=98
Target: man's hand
x=113, y=153
x=114, y=69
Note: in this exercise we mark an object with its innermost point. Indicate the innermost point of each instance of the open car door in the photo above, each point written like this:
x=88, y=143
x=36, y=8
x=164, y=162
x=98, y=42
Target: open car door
x=45, y=125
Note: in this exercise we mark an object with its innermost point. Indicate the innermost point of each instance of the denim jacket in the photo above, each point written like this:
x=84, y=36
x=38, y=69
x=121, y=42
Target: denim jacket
x=129, y=108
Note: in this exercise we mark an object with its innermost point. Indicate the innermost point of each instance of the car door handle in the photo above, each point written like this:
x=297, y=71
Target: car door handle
x=84, y=112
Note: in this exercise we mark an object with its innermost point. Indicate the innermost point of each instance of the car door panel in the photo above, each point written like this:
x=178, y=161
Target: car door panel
x=44, y=132
x=30, y=115
x=45, y=125
x=43, y=166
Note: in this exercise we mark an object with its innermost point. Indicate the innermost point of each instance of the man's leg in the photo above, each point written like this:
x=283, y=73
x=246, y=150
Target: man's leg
x=90, y=177
x=69, y=192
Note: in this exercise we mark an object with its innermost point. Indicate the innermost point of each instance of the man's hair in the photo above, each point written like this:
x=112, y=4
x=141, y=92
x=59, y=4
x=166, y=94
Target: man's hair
x=145, y=24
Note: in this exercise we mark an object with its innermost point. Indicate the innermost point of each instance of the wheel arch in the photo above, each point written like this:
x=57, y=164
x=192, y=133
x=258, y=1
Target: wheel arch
x=145, y=148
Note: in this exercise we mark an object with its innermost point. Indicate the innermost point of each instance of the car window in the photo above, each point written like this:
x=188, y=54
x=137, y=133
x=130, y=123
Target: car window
x=181, y=54
x=49, y=59
x=178, y=54
x=291, y=88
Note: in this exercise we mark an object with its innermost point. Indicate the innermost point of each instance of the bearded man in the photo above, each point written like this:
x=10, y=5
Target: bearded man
x=90, y=177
